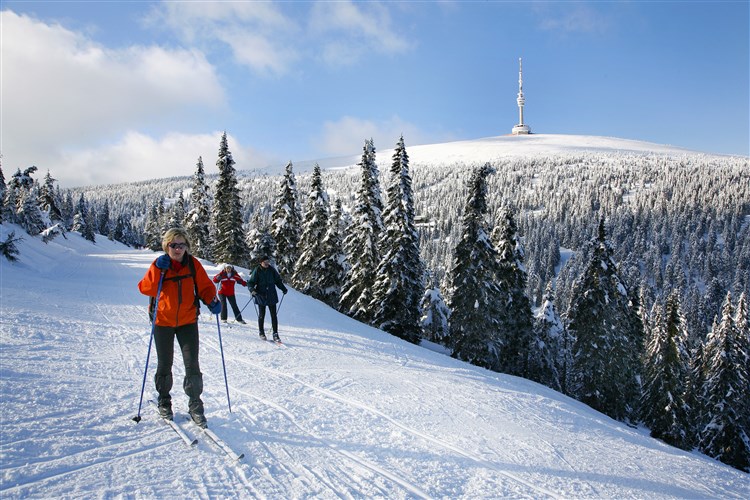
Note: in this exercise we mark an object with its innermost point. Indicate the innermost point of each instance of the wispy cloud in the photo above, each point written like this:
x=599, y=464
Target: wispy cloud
x=565, y=18
x=271, y=38
x=349, y=30
x=259, y=34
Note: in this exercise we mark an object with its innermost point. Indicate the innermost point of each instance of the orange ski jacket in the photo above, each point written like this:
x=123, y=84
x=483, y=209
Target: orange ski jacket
x=178, y=304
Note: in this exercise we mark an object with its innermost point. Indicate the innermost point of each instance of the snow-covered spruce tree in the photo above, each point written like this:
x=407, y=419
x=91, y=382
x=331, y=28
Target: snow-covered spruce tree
x=89, y=231
x=608, y=346
x=48, y=200
x=29, y=215
x=8, y=248
x=228, y=242
x=177, y=212
x=399, y=279
x=308, y=273
x=152, y=232
x=742, y=321
x=516, y=327
x=18, y=187
x=68, y=211
x=260, y=242
x=3, y=191
x=726, y=393
x=362, y=240
x=80, y=219
x=475, y=300
x=102, y=219
x=548, y=356
x=197, y=219
x=333, y=266
x=286, y=224
x=435, y=317
x=665, y=372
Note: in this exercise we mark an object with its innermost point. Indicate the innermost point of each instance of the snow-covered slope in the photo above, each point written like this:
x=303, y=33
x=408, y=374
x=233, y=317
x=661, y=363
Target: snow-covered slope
x=503, y=147
x=344, y=411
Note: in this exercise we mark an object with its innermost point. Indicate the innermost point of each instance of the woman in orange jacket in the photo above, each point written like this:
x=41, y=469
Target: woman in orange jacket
x=184, y=282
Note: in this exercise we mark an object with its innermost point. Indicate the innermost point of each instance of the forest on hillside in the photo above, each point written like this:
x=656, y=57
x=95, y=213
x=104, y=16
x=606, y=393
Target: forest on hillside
x=620, y=279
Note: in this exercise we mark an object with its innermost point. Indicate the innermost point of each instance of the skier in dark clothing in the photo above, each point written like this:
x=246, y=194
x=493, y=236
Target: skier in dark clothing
x=262, y=284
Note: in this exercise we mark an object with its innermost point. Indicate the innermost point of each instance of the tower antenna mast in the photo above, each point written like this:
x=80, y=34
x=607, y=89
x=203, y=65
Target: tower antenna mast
x=521, y=128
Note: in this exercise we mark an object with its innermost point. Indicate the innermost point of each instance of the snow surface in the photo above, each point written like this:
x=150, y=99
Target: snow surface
x=343, y=411
x=501, y=148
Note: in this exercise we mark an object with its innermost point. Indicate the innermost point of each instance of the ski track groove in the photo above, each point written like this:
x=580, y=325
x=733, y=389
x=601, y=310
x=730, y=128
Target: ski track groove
x=414, y=489
x=70, y=470
x=347, y=480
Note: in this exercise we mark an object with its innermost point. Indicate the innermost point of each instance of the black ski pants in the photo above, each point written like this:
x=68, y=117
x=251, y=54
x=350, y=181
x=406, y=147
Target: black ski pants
x=262, y=317
x=187, y=338
x=233, y=302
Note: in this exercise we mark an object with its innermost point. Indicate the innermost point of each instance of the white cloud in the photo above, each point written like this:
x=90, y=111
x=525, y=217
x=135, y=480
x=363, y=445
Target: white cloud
x=139, y=157
x=347, y=135
x=568, y=18
x=350, y=30
x=60, y=90
x=259, y=35
x=263, y=37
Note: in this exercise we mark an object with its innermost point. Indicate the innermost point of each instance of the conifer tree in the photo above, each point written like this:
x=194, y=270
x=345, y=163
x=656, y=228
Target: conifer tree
x=666, y=367
x=286, y=224
x=333, y=266
x=261, y=242
x=68, y=211
x=362, y=240
x=48, y=200
x=229, y=242
x=475, y=300
x=197, y=219
x=435, y=317
x=727, y=392
x=17, y=193
x=103, y=222
x=308, y=273
x=515, y=325
x=29, y=216
x=399, y=282
x=3, y=191
x=607, y=347
x=177, y=212
x=153, y=230
x=548, y=357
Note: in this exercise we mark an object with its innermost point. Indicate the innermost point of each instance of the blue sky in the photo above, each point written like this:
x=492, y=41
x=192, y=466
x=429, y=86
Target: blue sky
x=101, y=92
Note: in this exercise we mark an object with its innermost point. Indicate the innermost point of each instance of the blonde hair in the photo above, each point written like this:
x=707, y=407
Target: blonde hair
x=173, y=233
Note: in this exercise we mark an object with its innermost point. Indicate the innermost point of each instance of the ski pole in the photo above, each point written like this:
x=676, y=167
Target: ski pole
x=278, y=309
x=137, y=418
x=223, y=365
x=243, y=307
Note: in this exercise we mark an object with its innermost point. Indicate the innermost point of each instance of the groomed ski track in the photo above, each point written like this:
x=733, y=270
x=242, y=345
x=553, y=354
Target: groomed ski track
x=345, y=412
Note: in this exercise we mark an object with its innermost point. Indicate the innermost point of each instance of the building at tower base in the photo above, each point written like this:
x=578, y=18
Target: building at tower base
x=521, y=128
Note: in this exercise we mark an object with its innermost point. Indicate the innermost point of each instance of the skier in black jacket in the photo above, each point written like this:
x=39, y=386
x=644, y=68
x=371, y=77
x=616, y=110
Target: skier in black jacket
x=262, y=284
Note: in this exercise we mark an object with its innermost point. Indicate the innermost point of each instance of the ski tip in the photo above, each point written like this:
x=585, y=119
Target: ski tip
x=240, y=457
x=194, y=442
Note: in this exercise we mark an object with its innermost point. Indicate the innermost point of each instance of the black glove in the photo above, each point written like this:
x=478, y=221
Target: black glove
x=284, y=291
x=214, y=306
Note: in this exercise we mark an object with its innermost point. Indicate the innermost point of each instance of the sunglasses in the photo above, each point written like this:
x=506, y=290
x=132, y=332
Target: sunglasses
x=178, y=246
